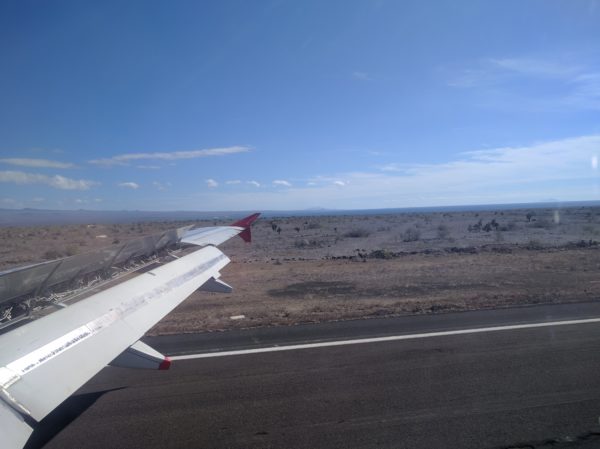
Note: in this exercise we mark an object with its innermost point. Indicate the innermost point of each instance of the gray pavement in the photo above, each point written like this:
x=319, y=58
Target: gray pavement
x=521, y=388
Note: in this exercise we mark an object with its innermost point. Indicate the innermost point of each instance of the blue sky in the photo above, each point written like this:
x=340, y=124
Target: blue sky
x=250, y=105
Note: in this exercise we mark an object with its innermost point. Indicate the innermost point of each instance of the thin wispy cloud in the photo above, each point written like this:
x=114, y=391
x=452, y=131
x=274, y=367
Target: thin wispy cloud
x=324, y=181
x=361, y=76
x=129, y=185
x=148, y=167
x=211, y=183
x=56, y=181
x=500, y=83
x=536, y=67
x=254, y=183
x=162, y=186
x=282, y=183
x=498, y=71
x=126, y=159
x=586, y=91
x=36, y=163
x=396, y=167
x=560, y=169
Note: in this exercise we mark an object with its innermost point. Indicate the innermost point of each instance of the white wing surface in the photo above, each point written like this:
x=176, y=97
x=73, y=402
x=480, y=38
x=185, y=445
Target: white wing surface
x=42, y=363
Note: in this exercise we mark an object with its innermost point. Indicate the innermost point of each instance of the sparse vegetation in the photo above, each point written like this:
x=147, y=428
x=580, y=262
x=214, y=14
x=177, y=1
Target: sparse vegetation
x=357, y=233
x=306, y=243
x=542, y=223
x=328, y=237
x=437, y=266
x=71, y=250
x=411, y=235
x=52, y=254
x=381, y=254
x=534, y=244
x=443, y=232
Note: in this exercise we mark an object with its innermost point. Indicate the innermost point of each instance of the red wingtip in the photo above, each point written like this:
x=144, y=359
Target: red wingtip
x=246, y=223
x=165, y=364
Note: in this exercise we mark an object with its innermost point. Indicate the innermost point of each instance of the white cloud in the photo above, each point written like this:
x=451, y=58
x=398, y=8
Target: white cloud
x=339, y=183
x=161, y=185
x=125, y=159
x=148, y=167
x=281, y=182
x=396, y=167
x=36, y=163
x=38, y=200
x=211, y=183
x=233, y=182
x=559, y=169
x=56, y=181
x=98, y=200
x=129, y=185
x=254, y=183
x=536, y=67
x=60, y=182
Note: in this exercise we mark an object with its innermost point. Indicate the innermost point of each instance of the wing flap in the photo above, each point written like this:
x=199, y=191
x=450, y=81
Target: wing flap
x=57, y=354
x=141, y=356
x=15, y=432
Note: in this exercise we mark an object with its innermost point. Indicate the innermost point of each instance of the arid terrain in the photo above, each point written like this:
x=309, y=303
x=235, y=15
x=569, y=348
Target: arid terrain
x=321, y=268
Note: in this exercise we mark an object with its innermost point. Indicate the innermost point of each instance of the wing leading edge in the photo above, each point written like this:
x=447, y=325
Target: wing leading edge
x=42, y=363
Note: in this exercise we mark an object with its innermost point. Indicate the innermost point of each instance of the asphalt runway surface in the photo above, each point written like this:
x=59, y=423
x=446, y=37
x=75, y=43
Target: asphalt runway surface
x=528, y=387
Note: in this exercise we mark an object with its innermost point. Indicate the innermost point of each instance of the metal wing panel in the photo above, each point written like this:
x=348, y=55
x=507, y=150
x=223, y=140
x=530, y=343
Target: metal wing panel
x=23, y=279
x=210, y=236
x=15, y=432
x=55, y=355
x=35, y=278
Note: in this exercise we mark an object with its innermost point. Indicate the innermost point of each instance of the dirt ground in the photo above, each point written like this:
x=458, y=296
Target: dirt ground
x=311, y=269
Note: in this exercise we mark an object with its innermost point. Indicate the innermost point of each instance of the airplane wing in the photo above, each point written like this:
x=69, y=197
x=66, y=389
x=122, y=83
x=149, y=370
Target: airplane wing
x=42, y=363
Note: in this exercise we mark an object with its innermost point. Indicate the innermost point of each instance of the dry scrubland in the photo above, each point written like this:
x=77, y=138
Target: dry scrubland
x=306, y=269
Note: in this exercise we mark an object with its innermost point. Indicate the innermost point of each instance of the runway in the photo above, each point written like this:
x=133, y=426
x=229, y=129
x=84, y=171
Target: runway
x=515, y=387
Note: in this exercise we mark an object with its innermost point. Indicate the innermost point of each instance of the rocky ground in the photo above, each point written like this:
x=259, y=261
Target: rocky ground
x=307, y=269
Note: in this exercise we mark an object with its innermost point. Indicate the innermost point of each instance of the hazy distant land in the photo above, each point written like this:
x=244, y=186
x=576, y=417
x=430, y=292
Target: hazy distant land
x=43, y=217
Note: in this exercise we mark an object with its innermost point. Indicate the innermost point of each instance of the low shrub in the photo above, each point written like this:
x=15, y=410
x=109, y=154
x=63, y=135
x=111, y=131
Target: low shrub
x=411, y=235
x=357, y=233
